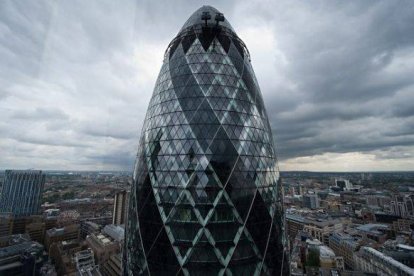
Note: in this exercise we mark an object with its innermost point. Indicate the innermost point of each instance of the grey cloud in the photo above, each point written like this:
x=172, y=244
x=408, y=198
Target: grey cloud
x=124, y=159
x=338, y=78
x=40, y=113
x=116, y=131
x=49, y=142
x=343, y=64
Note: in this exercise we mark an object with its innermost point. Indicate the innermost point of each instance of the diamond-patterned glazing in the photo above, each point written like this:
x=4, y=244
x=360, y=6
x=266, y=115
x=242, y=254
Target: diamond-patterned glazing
x=206, y=197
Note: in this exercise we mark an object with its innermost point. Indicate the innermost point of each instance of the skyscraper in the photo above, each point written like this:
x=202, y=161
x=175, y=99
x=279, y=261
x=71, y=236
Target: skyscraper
x=22, y=192
x=206, y=196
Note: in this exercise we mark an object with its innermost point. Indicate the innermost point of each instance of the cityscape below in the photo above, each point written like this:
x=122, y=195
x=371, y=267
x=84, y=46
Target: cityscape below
x=336, y=223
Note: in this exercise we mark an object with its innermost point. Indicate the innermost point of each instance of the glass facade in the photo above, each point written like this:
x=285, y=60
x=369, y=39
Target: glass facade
x=206, y=197
x=21, y=193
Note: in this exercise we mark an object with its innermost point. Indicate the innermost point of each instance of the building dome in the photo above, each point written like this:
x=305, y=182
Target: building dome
x=206, y=196
x=196, y=18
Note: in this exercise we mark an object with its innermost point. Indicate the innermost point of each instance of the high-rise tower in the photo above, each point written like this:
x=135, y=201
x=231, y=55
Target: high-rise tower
x=206, y=197
x=21, y=193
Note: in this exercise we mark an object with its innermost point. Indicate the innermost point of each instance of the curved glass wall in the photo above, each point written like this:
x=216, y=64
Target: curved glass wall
x=206, y=197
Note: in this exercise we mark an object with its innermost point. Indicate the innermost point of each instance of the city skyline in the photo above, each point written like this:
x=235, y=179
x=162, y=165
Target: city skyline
x=76, y=79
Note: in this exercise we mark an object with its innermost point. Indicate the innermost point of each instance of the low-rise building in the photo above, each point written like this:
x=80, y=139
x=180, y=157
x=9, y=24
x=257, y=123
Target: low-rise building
x=19, y=225
x=327, y=257
x=402, y=225
x=322, y=229
x=21, y=257
x=69, y=232
x=13, y=239
x=36, y=231
x=88, y=228
x=50, y=223
x=116, y=232
x=113, y=266
x=62, y=252
x=6, y=224
x=321, y=259
x=85, y=263
x=374, y=232
x=294, y=224
x=370, y=260
x=103, y=247
x=318, y=227
x=344, y=245
x=401, y=252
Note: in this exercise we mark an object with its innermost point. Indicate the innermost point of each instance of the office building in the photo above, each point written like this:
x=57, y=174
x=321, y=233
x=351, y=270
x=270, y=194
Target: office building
x=116, y=232
x=310, y=201
x=6, y=224
x=327, y=258
x=373, y=261
x=21, y=193
x=206, y=196
x=88, y=227
x=103, y=246
x=36, y=231
x=120, y=207
x=342, y=185
x=400, y=252
x=344, y=245
x=317, y=228
x=19, y=224
x=402, y=206
x=51, y=218
x=70, y=232
x=62, y=253
x=85, y=263
x=402, y=226
x=374, y=232
x=294, y=224
x=21, y=256
x=112, y=267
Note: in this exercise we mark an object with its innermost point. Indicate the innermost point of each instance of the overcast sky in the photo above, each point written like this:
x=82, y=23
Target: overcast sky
x=337, y=79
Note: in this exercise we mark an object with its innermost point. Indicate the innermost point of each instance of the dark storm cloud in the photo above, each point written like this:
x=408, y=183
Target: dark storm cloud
x=336, y=76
